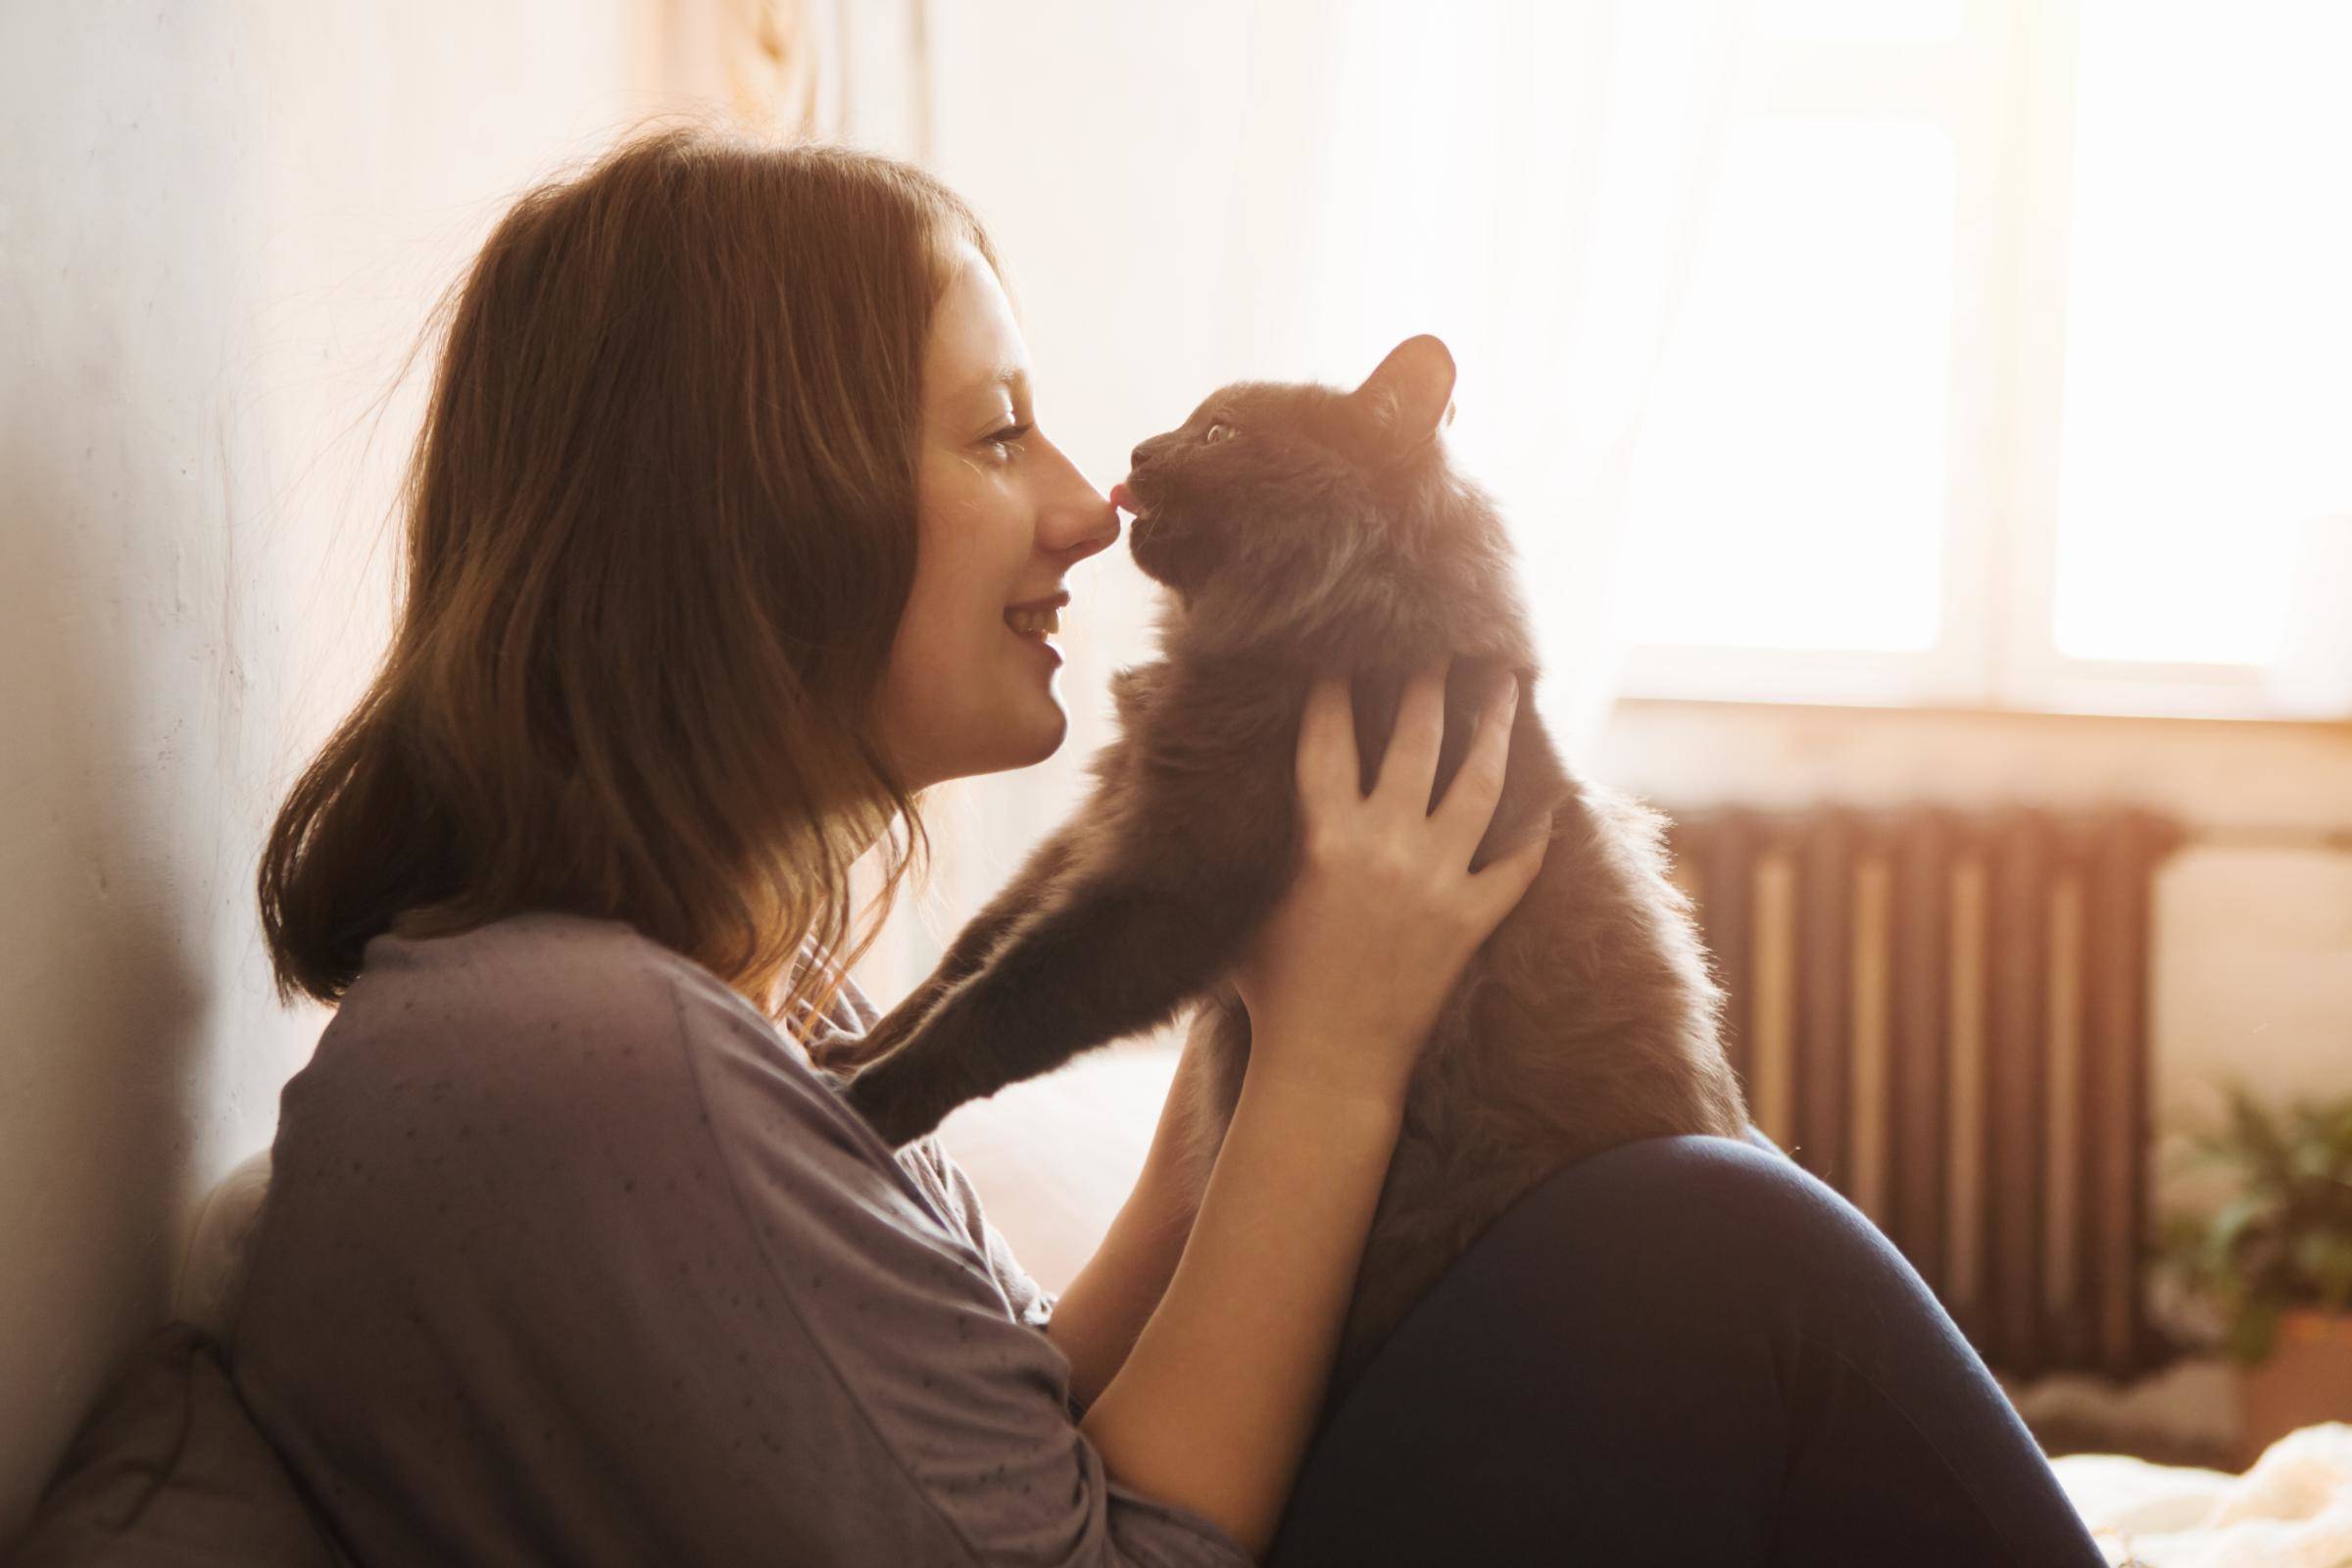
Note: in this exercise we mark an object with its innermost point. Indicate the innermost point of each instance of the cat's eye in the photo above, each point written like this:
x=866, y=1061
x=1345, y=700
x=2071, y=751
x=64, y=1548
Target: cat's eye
x=1215, y=432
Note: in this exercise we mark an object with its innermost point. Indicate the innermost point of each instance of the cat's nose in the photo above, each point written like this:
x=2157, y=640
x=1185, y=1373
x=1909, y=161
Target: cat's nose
x=1137, y=458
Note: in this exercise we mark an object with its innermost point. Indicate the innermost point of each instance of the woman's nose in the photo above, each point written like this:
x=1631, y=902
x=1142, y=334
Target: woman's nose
x=1080, y=522
x=1082, y=529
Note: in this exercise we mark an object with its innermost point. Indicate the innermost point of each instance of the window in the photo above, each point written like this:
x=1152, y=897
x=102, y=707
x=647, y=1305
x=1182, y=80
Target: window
x=2016, y=366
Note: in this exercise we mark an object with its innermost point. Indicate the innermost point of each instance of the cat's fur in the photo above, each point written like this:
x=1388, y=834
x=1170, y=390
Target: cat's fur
x=1303, y=531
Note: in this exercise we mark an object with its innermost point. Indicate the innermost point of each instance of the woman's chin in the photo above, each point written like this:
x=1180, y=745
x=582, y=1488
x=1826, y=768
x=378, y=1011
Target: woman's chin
x=1042, y=727
x=1029, y=731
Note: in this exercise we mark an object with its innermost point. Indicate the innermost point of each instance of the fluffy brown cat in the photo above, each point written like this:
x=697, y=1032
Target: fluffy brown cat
x=1305, y=531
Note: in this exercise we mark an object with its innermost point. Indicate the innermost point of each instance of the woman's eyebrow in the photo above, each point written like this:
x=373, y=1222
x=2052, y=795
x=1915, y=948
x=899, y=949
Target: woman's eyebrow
x=1015, y=377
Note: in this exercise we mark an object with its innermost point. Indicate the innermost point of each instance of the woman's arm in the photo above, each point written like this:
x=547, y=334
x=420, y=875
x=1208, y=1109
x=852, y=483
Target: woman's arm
x=1215, y=1405
x=1098, y=1318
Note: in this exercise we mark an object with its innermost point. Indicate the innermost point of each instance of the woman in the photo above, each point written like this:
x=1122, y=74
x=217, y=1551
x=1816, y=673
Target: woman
x=732, y=528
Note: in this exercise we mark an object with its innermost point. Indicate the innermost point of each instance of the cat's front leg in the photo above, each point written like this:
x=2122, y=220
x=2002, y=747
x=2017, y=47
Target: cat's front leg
x=1112, y=960
x=980, y=936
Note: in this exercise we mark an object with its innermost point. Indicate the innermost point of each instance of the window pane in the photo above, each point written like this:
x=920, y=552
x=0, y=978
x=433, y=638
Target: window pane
x=1788, y=483
x=1859, y=19
x=2208, y=406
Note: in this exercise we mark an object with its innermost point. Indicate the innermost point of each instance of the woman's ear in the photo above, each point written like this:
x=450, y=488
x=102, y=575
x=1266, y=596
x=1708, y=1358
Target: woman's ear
x=1409, y=398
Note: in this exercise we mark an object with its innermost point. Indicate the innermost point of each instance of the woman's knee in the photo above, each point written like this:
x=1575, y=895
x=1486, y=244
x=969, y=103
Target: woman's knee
x=1717, y=1188
x=1680, y=1224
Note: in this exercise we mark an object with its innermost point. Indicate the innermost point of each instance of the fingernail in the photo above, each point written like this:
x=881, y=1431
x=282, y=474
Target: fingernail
x=1508, y=698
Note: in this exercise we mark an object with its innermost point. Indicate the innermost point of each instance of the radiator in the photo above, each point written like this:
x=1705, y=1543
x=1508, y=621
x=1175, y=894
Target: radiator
x=1945, y=1017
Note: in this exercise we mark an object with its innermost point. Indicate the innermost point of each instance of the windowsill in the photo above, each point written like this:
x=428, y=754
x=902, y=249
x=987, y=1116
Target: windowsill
x=2252, y=783
x=2117, y=716
x=1962, y=677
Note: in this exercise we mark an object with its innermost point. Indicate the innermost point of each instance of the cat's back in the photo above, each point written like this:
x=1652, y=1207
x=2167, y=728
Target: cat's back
x=1613, y=983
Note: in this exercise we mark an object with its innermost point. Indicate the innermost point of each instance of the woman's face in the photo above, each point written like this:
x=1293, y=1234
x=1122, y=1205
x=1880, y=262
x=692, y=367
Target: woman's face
x=1002, y=516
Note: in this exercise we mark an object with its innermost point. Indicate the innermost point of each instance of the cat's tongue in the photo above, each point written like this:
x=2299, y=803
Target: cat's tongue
x=1123, y=497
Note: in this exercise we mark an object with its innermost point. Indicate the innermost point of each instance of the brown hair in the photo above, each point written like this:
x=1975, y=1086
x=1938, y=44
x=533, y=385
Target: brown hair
x=660, y=527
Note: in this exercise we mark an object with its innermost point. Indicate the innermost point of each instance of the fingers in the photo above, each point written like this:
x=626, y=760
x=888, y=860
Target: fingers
x=1469, y=802
x=1505, y=882
x=1410, y=765
x=1327, y=761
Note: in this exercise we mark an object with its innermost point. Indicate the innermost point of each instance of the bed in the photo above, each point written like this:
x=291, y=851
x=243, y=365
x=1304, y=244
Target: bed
x=2291, y=1509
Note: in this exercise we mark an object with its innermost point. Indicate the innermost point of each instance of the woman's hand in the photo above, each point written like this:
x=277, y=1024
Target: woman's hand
x=1346, y=979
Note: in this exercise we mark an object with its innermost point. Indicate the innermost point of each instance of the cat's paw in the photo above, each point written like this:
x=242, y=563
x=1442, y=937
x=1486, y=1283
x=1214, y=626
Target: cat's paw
x=899, y=1106
x=910, y=1087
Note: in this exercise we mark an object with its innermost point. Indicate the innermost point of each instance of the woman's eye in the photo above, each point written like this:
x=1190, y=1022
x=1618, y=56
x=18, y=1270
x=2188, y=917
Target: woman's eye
x=1215, y=432
x=1009, y=434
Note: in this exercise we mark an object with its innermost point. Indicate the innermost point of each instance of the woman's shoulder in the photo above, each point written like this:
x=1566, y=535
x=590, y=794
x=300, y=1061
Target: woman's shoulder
x=574, y=1078
x=551, y=1026
x=540, y=966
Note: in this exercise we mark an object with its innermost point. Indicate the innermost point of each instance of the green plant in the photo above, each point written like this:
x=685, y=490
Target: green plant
x=2285, y=1238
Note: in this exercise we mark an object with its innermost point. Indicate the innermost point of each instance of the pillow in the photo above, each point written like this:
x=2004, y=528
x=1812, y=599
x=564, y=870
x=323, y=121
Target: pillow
x=169, y=1468
x=219, y=1250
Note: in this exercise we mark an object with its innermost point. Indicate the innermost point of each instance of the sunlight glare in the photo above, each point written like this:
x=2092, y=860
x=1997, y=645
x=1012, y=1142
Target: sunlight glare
x=1911, y=19
x=2208, y=406
x=1788, y=484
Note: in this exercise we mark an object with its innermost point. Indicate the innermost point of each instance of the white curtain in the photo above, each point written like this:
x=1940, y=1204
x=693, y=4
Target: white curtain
x=1285, y=189
x=1529, y=181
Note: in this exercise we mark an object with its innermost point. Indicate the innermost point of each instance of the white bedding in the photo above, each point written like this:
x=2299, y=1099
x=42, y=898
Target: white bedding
x=2292, y=1509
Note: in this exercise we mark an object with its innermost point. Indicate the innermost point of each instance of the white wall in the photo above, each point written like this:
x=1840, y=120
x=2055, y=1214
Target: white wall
x=219, y=226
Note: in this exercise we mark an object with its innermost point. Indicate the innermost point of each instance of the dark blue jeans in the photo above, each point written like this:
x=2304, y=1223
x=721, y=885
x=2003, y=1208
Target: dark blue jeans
x=1682, y=1351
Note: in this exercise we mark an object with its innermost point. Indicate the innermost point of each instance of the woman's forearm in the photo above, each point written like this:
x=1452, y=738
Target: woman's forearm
x=1213, y=1407
x=1096, y=1320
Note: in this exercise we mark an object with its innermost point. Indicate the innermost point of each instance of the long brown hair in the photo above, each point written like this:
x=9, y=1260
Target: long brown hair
x=660, y=529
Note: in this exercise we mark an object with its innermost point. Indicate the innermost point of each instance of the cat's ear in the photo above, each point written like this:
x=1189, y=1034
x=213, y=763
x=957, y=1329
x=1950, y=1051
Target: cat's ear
x=1409, y=398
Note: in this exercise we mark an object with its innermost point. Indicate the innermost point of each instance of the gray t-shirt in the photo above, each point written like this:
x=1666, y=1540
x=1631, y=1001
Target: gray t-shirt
x=571, y=1256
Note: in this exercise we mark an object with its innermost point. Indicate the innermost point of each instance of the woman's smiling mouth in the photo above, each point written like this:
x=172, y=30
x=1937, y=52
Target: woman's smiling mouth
x=1033, y=620
x=1037, y=622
